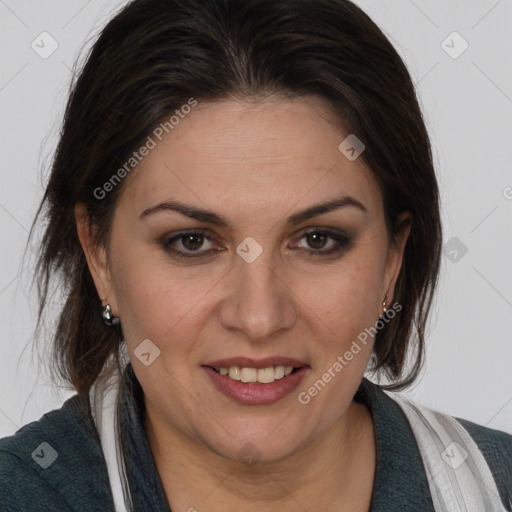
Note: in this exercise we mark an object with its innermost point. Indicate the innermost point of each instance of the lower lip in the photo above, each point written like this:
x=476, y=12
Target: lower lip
x=254, y=393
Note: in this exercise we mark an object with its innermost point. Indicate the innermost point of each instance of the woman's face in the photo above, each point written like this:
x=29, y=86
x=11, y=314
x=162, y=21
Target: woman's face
x=261, y=283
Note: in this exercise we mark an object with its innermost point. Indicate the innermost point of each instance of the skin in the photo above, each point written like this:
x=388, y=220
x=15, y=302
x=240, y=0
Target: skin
x=255, y=164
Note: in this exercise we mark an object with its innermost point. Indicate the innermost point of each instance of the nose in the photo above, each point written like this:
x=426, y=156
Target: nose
x=258, y=300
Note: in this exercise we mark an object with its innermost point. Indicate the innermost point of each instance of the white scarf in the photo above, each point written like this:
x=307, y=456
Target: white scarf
x=103, y=398
x=459, y=482
x=458, y=475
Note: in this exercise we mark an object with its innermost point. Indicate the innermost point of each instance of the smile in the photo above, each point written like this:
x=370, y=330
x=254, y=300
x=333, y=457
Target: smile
x=261, y=375
x=255, y=383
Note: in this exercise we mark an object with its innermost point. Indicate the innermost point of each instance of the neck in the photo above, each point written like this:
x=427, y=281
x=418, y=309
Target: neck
x=194, y=476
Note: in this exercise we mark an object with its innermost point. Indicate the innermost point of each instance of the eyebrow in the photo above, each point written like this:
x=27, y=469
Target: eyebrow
x=203, y=215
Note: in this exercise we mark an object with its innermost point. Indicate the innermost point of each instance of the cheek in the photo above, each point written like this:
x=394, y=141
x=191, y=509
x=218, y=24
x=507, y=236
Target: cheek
x=153, y=301
x=345, y=297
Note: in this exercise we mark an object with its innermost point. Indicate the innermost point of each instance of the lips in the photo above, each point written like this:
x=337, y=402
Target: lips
x=263, y=371
x=255, y=363
x=256, y=381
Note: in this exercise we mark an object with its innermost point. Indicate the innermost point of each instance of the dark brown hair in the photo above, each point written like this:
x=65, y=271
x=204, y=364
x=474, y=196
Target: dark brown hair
x=151, y=58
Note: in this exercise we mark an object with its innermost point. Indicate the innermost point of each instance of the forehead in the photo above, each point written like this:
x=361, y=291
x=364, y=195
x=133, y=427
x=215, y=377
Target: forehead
x=240, y=157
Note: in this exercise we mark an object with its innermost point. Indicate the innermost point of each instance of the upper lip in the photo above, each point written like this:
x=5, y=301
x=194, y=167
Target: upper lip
x=249, y=362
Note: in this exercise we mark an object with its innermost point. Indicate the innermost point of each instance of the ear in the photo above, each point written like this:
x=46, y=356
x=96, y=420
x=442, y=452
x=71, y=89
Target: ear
x=395, y=255
x=96, y=256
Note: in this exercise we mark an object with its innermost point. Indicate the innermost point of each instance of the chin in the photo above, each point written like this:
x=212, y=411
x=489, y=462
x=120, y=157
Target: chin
x=264, y=445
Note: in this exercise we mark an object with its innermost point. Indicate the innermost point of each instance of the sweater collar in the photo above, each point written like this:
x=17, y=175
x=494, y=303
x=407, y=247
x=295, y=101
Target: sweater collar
x=400, y=481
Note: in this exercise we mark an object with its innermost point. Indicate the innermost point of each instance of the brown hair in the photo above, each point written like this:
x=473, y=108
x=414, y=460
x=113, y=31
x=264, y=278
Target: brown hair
x=156, y=54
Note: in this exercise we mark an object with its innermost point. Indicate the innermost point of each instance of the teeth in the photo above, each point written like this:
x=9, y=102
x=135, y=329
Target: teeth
x=248, y=374
x=234, y=373
x=261, y=375
x=266, y=375
x=279, y=372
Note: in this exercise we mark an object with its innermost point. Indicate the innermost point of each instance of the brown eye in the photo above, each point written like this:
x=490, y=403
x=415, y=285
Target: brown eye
x=316, y=240
x=189, y=243
x=192, y=241
x=323, y=241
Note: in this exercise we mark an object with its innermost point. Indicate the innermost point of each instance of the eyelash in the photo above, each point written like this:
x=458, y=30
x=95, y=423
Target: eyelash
x=341, y=239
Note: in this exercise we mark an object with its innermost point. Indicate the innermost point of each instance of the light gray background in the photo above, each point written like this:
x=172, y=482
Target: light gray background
x=468, y=107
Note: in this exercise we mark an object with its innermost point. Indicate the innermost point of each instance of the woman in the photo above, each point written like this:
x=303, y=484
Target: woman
x=244, y=215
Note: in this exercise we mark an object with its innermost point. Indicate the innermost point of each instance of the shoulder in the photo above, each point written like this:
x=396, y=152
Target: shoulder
x=490, y=439
x=55, y=463
x=496, y=447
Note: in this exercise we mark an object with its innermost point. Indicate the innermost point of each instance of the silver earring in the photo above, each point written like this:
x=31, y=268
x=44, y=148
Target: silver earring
x=384, y=304
x=108, y=317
